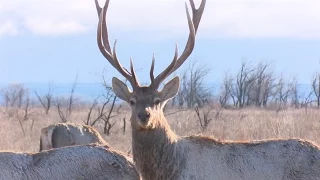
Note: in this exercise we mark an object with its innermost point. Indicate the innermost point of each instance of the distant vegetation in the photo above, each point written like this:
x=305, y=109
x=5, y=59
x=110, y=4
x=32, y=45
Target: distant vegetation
x=252, y=86
x=253, y=103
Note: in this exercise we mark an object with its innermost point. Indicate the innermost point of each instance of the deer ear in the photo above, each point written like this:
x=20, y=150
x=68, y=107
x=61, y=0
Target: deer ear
x=170, y=89
x=121, y=89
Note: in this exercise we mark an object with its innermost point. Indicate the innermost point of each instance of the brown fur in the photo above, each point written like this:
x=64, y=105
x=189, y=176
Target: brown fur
x=148, y=143
x=148, y=146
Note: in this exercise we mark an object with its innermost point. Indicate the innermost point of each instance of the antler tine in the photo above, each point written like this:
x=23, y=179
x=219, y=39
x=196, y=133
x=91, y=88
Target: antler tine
x=97, y=7
x=151, y=69
x=130, y=77
x=105, y=37
x=193, y=27
x=105, y=48
x=133, y=73
x=197, y=13
x=156, y=82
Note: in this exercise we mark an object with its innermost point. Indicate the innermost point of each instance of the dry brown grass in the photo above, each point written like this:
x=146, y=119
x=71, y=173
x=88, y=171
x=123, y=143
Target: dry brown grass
x=244, y=125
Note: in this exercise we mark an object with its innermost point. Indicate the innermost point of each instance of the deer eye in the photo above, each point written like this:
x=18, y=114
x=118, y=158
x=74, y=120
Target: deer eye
x=157, y=101
x=132, y=103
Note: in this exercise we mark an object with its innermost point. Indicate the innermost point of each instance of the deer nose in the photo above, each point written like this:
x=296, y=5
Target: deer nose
x=144, y=116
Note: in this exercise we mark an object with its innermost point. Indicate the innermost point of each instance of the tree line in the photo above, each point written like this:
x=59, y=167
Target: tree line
x=251, y=86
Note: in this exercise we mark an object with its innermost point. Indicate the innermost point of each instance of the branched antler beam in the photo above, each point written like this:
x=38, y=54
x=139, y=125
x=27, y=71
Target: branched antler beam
x=105, y=48
x=193, y=27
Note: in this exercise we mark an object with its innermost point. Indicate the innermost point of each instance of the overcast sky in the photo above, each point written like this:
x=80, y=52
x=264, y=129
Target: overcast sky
x=42, y=41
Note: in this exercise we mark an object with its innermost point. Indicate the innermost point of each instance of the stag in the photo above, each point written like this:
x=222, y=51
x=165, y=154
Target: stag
x=160, y=154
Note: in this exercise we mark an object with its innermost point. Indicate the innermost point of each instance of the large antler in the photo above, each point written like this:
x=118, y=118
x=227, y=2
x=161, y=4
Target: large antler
x=105, y=48
x=177, y=62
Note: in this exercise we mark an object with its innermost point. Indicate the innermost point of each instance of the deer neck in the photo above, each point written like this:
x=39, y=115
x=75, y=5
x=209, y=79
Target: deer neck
x=156, y=152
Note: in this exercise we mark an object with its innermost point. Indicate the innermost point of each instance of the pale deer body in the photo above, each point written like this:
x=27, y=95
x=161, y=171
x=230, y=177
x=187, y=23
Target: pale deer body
x=203, y=159
x=263, y=160
x=68, y=134
x=159, y=154
x=74, y=162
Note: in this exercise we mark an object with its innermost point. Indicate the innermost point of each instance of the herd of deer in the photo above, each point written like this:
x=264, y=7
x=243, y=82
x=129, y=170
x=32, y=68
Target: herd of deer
x=158, y=153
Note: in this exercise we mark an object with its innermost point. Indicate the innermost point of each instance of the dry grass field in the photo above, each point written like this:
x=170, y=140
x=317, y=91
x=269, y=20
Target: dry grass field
x=234, y=125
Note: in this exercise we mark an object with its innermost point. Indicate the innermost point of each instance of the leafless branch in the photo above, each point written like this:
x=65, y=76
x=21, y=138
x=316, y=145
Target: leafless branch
x=108, y=125
x=63, y=116
x=204, y=115
x=71, y=97
x=46, y=101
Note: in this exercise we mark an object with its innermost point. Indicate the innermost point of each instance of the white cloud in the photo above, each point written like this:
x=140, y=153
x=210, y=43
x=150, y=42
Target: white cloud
x=56, y=17
x=8, y=29
x=54, y=28
x=222, y=18
x=265, y=18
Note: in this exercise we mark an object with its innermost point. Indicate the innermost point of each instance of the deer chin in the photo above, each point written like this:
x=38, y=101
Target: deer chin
x=145, y=125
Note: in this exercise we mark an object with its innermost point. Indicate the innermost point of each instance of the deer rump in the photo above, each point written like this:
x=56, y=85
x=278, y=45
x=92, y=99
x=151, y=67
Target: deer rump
x=67, y=134
x=73, y=162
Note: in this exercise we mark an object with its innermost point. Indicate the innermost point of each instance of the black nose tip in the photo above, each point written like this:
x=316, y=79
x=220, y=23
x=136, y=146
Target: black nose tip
x=144, y=116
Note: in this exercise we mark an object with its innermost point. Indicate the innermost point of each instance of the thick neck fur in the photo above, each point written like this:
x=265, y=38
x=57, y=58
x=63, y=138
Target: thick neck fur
x=156, y=152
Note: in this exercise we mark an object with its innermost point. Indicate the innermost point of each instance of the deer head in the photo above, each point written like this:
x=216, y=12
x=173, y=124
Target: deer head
x=146, y=102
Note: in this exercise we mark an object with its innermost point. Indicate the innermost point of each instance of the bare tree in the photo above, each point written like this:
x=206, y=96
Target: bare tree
x=307, y=100
x=285, y=91
x=27, y=107
x=65, y=105
x=71, y=97
x=46, y=100
x=104, y=108
x=256, y=86
x=205, y=115
x=113, y=111
x=262, y=85
x=226, y=91
x=193, y=91
x=26, y=111
x=316, y=87
x=13, y=95
x=100, y=112
x=107, y=119
x=295, y=94
x=243, y=81
x=103, y=114
x=63, y=114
